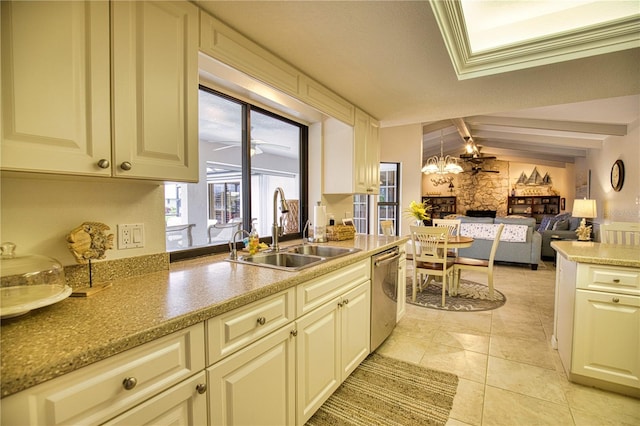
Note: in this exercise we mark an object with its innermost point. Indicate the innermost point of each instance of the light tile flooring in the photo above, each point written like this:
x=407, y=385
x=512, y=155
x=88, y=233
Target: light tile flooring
x=508, y=372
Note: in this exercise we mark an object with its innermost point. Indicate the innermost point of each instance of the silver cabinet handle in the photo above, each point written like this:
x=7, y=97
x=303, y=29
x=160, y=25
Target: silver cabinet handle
x=126, y=165
x=262, y=320
x=615, y=300
x=201, y=388
x=129, y=383
x=104, y=163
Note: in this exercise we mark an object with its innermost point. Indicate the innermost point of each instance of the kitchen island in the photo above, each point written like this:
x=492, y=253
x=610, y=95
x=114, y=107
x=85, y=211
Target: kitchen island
x=59, y=339
x=597, y=314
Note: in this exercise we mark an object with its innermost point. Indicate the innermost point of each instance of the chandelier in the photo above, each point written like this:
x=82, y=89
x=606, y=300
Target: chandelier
x=441, y=165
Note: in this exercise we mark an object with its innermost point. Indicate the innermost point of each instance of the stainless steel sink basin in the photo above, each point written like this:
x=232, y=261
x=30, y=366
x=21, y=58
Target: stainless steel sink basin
x=281, y=260
x=321, y=250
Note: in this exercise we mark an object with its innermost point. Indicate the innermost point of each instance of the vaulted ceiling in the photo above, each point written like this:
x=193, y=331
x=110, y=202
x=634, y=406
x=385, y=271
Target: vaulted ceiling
x=390, y=58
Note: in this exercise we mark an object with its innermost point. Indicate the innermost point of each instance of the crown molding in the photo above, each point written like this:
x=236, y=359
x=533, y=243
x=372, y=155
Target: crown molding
x=594, y=40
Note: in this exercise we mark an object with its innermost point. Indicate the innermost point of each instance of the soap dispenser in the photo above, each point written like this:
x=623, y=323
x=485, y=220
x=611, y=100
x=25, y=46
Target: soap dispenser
x=254, y=240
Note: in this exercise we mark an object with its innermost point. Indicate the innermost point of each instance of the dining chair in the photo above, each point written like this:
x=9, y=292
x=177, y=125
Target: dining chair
x=622, y=233
x=429, y=257
x=387, y=227
x=453, y=225
x=481, y=265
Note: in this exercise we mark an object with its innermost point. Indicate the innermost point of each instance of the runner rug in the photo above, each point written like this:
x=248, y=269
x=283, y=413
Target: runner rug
x=387, y=392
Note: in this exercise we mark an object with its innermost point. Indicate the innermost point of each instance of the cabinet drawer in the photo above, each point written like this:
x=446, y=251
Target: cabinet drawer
x=616, y=279
x=236, y=329
x=322, y=289
x=96, y=393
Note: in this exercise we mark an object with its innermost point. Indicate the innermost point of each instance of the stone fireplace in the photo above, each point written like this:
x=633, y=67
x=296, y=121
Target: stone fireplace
x=483, y=190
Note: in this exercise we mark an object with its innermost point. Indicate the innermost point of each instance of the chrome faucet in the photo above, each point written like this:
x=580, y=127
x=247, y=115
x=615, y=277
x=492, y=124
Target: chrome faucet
x=306, y=228
x=276, y=231
x=233, y=253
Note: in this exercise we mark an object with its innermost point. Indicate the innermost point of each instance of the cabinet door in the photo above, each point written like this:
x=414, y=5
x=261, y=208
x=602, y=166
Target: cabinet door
x=318, y=358
x=255, y=386
x=155, y=90
x=373, y=157
x=355, y=317
x=179, y=405
x=564, y=308
x=361, y=135
x=402, y=288
x=55, y=87
x=607, y=337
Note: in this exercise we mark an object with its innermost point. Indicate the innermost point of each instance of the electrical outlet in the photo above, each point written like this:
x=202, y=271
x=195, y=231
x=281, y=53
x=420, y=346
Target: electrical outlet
x=130, y=236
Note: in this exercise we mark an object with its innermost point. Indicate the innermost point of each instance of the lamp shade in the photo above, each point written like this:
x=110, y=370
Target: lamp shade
x=584, y=208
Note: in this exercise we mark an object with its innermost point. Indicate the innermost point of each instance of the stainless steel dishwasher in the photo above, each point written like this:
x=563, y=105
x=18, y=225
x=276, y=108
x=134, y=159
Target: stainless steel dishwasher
x=384, y=291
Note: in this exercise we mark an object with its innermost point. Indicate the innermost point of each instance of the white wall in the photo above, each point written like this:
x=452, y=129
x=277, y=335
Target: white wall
x=37, y=213
x=403, y=144
x=623, y=206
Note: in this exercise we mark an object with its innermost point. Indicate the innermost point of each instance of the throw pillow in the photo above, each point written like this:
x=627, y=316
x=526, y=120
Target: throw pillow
x=561, y=225
x=574, y=222
x=544, y=223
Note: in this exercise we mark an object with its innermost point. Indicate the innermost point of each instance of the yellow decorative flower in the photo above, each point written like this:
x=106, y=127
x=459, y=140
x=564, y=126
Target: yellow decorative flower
x=418, y=211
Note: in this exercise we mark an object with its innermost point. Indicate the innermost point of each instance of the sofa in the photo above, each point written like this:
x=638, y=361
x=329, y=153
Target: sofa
x=558, y=227
x=519, y=243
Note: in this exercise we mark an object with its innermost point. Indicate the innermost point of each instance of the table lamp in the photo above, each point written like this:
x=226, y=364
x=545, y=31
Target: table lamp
x=586, y=209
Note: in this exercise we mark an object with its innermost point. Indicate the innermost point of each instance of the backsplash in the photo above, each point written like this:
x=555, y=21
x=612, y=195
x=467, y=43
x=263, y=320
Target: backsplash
x=77, y=276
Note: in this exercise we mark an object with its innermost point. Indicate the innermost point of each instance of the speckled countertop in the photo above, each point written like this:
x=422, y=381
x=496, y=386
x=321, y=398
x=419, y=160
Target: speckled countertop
x=598, y=253
x=57, y=339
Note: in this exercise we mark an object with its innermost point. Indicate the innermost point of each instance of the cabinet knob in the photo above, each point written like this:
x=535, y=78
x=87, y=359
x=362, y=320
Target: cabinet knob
x=615, y=300
x=129, y=383
x=125, y=165
x=201, y=388
x=339, y=304
x=104, y=163
x=294, y=333
x=262, y=320
x=346, y=301
x=617, y=280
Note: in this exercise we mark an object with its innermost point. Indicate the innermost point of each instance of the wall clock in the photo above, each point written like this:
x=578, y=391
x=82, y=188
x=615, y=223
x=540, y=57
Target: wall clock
x=617, y=175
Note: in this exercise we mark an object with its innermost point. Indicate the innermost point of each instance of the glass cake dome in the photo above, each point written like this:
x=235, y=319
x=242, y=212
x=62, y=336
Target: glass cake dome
x=28, y=282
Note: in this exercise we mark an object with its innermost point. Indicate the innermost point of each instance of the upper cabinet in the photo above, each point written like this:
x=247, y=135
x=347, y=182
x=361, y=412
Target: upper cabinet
x=71, y=107
x=232, y=48
x=352, y=156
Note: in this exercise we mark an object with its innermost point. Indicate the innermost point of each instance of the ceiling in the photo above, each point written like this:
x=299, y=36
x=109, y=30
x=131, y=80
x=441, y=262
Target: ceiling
x=390, y=59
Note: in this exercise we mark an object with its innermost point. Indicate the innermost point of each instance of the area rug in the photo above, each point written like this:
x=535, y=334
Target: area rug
x=471, y=297
x=387, y=392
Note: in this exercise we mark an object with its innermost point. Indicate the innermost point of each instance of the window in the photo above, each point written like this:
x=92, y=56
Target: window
x=388, y=202
x=245, y=154
x=389, y=189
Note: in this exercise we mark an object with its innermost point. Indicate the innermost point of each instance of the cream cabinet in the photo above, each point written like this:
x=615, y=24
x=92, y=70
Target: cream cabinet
x=402, y=283
x=332, y=338
x=597, y=323
x=351, y=156
x=100, y=89
x=256, y=385
x=101, y=391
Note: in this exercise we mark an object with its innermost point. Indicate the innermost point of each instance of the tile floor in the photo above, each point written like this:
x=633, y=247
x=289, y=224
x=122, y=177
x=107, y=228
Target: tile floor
x=509, y=374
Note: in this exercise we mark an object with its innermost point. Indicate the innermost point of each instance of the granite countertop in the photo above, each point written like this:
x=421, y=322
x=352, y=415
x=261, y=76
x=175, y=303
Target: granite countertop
x=598, y=253
x=57, y=339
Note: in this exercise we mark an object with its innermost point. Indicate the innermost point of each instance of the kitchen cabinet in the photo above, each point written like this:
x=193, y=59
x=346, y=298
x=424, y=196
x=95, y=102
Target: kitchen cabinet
x=100, y=89
x=108, y=388
x=355, y=153
x=597, y=323
x=402, y=283
x=255, y=385
x=333, y=338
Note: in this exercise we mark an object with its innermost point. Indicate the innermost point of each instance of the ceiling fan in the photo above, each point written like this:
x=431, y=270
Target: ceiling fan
x=256, y=145
x=472, y=152
x=477, y=169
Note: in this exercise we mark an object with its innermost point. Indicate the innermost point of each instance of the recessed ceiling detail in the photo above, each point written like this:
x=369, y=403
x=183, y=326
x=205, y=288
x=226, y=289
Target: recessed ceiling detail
x=499, y=48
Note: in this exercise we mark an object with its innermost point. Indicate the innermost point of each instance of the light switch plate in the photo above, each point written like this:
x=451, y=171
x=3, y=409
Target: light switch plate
x=130, y=236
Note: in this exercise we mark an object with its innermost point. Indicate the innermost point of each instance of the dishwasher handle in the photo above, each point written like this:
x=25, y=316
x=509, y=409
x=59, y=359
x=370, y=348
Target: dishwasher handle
x=386, y=258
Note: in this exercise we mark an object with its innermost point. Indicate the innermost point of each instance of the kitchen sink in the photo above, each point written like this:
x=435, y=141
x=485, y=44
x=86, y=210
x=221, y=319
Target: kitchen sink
x=281, y=260
x=323, y=251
